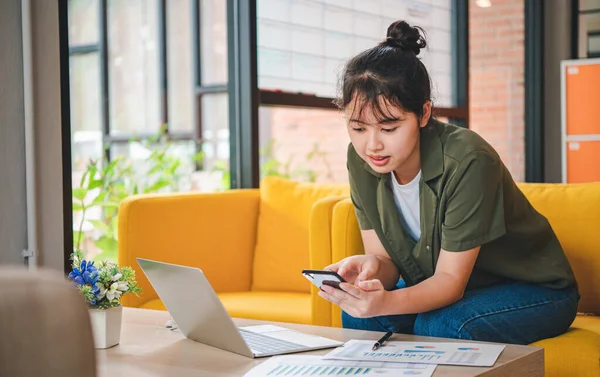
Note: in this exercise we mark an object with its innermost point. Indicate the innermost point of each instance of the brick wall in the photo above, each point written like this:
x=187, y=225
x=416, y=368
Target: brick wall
x=496, y=86
x=296, y=132
x=496, y=63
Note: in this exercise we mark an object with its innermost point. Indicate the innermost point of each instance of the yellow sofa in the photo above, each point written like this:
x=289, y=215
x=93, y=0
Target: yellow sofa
x=251, y=244
x=574, y=213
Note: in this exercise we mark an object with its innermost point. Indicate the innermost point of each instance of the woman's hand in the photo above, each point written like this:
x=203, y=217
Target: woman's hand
x=357, y=268
x=362, y=301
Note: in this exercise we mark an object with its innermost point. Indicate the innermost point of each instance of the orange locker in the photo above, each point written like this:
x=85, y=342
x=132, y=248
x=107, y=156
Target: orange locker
x=583, y=100
x=580, y=85
x=583, y=161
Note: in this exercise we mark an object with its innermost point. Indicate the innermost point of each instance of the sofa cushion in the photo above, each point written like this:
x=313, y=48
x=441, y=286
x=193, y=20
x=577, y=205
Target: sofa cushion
x=587, y=322
x=574, y=212
x=282, y=247
x=580, y=346
x=266, y=306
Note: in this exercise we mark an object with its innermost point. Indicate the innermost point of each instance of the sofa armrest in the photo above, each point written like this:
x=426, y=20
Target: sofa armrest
x=319, y=235
x=345, y=242
x=345, y=233
x=211, y=231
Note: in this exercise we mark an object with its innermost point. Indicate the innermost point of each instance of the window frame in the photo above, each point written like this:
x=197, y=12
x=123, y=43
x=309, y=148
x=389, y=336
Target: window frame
x=243, y=13
x=101, y=47
x=239, y=14
x=534, y=93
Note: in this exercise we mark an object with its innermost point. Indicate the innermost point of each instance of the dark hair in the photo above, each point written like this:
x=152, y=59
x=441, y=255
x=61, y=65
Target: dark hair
x=392, y=70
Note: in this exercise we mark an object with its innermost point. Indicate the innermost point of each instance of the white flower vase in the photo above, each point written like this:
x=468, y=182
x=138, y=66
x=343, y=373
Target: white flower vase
x=106, y=326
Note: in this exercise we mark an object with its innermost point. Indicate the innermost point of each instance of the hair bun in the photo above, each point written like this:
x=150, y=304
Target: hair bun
x=401, y=35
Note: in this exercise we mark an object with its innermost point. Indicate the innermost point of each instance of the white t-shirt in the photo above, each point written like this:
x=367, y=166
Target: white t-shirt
x=407, y=201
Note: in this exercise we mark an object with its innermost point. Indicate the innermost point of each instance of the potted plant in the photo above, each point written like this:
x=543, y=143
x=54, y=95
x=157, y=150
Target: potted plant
x=102, y=287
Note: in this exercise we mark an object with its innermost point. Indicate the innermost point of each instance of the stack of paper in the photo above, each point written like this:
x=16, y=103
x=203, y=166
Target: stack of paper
x=318, y=366
x=356, y=358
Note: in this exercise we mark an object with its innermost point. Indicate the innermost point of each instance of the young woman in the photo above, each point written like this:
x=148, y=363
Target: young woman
x=453, y=247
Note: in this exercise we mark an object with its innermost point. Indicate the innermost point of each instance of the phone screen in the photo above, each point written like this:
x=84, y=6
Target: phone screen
x=323, y=277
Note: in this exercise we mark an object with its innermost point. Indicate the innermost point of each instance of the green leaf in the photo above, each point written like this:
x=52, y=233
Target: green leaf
x=110, y=212
x=155, y=169
x=95, y=183
x=157, y=186
x=174, y=166
x=98, y=200
x=107, y=244
x=115, y=227
x=78, y=207
x=79, y=193
x=101, y=226
x=198, y=157
x=84, y=176
x=93, y=169
x=119, y=196
x=111, y=166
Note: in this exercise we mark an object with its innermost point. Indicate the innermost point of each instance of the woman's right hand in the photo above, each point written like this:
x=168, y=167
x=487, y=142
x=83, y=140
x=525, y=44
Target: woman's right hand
x=357, y=268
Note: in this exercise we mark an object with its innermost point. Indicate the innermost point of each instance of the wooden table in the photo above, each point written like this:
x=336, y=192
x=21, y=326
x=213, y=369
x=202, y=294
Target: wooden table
x=148, y=349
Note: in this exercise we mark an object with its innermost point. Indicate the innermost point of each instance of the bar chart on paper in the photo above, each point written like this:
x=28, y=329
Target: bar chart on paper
x=419, y=352
x=317, y=366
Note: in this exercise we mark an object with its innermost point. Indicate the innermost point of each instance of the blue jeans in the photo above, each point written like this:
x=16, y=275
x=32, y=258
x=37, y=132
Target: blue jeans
x=513, y=313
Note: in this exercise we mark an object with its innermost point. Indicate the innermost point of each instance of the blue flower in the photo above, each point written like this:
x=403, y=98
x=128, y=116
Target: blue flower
x=86, y=274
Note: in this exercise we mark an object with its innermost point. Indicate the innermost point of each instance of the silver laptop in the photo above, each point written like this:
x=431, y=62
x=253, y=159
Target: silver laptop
x=200, y=315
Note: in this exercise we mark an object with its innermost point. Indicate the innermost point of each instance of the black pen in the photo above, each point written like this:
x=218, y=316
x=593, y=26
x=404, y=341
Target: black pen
x=383, y=339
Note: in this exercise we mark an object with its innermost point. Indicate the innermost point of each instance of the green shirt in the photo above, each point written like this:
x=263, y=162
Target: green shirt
x=467, y=199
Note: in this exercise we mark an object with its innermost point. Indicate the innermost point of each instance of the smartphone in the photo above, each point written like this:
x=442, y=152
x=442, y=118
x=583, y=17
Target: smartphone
x=323, y=277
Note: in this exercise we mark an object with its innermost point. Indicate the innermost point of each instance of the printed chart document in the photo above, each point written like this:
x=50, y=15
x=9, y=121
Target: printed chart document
x=317, y=366
x=468, y=354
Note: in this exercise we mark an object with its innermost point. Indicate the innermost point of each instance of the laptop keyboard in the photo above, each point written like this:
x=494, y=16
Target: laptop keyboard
x=260, y=343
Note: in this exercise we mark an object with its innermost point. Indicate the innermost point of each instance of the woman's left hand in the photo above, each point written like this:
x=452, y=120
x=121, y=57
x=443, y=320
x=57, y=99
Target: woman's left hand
x=363, y=301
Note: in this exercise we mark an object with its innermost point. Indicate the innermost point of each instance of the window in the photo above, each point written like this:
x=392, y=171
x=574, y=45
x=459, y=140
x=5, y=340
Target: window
x=303, y=44
x=589, y=5
x=211, y=87
x=85, y=108
x=589, y=29
x=180, y=67
x=147, y=77
x=213, y=43
x=302, y=48
x=133, y=67
x=83, y=22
